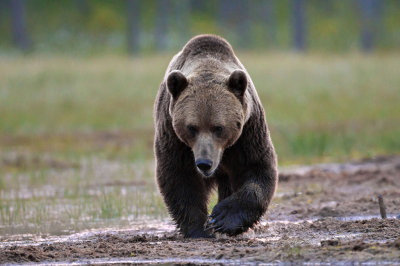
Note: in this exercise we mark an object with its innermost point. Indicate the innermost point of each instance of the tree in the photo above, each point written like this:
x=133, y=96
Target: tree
x=181, y=16
x=133, y=11
x=197, y=5
x=243, y=23
x=298, y=24
x=267, y=15
x=369, y=10
x=162, y=19
x=83, y=7
x=20, y=35
x=2, y=7
x=234, y=16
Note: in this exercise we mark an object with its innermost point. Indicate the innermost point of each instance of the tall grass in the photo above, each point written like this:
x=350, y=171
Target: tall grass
x=93, y=194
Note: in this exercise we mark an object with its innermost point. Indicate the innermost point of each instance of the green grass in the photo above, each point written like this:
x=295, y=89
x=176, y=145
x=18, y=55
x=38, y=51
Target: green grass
x=319, y=107
x=76, y=133
x=330, y=107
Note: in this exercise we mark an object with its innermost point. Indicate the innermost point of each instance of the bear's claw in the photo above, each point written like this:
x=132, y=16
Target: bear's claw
x=228, y=218
x=215, y=227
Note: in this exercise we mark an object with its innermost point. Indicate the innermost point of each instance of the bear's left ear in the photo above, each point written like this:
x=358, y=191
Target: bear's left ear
x=237, y=83
x=176, y=83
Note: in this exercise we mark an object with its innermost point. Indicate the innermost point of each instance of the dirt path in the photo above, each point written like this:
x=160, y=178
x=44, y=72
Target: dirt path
x=325, y=213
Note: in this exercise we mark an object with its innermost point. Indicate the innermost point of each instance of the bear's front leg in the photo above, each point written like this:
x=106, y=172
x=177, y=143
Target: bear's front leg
x=186, y=200
x=240, y=211
x=224, y=187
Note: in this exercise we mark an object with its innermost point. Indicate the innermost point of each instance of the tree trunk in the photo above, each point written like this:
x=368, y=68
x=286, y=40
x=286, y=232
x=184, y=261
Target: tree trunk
x=181, y=16
x=20, y=35
x=268, y=18
x=223, y=16
x=162, y=19
x=242, y=23
x=369, y=10
x=133, y=11
x=298, y=26
x=234, y=17
x=83, y=7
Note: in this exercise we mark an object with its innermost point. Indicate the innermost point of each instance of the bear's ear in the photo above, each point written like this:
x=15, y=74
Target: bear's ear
x=237, y=83
x=176, y=83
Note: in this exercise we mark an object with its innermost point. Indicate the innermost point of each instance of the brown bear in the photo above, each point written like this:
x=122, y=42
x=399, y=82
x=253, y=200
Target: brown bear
x=210, y=130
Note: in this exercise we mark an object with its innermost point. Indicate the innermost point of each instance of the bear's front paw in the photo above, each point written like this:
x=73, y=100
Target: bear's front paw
x=198, y=233
x=229, y=217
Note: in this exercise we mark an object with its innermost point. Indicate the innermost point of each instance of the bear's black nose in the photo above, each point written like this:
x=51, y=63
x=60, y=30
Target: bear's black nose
x=204, y=164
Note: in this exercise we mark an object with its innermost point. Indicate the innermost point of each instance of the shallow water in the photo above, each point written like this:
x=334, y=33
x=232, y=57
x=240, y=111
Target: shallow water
x=149, y=227
x=158, y=261
x=208, y=261
x=339, y=168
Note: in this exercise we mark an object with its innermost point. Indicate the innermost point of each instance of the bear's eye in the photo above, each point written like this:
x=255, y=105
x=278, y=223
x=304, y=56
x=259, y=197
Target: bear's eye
x=192, y=130
x=218, y=130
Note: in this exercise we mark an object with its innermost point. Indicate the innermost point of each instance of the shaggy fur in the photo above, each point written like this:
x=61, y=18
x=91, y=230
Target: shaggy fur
x=210, y=131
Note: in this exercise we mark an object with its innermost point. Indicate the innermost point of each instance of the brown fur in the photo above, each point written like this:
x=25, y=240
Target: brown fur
x=207, y=110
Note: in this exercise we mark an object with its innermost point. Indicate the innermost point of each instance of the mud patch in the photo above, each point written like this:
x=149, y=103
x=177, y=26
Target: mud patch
x=28, y=161
x=111, y=144
x=321, y=240
x=318, y=215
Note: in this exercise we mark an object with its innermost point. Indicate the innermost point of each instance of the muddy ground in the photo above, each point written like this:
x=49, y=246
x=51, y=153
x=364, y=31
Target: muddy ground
x=323, y=213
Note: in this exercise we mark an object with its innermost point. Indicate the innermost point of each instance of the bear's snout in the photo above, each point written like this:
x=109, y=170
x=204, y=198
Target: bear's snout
x=204, y=165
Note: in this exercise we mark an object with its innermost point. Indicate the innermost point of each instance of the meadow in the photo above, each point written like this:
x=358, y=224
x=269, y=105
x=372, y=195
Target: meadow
x=76, y=134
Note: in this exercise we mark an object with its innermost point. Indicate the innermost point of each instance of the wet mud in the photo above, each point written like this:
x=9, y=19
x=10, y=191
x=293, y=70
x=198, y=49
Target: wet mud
x=323, y=213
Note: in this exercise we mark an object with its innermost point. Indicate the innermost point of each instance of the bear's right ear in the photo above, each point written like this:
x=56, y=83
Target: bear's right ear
x=176, y=83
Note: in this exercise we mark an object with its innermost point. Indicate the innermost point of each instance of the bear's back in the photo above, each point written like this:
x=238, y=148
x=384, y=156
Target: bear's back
x=208, y=45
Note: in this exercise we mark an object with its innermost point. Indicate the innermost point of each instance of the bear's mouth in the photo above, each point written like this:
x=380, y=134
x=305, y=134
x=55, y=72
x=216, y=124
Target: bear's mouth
x=206, y=173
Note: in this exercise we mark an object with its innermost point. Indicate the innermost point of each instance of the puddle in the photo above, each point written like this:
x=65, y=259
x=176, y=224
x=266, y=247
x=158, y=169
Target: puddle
x=364, y=217
x=155, y=261
x=200, y=261
x=349, y=168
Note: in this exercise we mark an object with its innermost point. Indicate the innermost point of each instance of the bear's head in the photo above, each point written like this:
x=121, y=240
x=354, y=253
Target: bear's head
x=208, y=111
